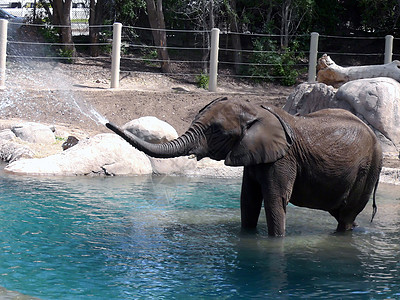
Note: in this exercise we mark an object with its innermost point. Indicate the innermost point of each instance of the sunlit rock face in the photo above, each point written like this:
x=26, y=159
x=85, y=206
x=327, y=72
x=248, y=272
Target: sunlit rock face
x=103, y=154
x=151, y=129
x=11, y=151
x=156, y=131
x=34, y=133
x=376, y=101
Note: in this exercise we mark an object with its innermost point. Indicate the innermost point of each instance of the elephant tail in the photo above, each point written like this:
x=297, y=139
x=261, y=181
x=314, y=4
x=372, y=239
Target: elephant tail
x=374, y=207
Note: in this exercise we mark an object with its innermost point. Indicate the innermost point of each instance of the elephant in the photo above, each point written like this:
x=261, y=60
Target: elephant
x=328, y=160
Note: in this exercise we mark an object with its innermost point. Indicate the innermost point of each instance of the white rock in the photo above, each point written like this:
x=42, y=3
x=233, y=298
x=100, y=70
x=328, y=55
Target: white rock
x=172, y=166
x=104, y=154
x=7, y=134
x=34, y=133
x=212, y=168
x=151, y=129
x=11, y=151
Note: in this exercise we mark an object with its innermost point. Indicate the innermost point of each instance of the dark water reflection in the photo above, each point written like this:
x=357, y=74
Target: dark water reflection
x=180, y=238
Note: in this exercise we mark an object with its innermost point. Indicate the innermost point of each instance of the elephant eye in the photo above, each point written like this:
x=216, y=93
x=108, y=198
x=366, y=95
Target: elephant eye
x=251, y=123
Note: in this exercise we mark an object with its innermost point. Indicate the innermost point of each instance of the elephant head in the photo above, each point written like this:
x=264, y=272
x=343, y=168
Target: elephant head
x=236, y=131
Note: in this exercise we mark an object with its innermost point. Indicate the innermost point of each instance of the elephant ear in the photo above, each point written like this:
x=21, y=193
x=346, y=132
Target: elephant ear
x=264, y=140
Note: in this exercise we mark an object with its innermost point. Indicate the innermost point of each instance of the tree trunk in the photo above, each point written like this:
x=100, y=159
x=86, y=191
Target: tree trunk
x=156, y=19
x=208, y=23
x=285, y=23
x=332, y=74
x=96, y=18
x=62, y=11
x=236, y=43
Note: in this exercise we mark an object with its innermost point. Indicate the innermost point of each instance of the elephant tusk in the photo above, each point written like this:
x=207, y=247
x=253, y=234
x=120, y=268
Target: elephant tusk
x=192, y=156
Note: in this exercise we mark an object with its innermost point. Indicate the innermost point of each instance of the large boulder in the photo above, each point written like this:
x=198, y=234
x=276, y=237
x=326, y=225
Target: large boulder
x=309, y=97
x=376, y=101
x=11, y=151
x=151, y=129
x=34, y=133
x=103, y=154
x=156, y=131
x=212, y=168
x=7, y=134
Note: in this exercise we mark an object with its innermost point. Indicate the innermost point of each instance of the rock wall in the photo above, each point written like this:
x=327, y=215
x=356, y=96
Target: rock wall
x=376, y=101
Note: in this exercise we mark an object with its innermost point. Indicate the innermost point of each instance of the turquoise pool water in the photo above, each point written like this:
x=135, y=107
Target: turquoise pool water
x=179, y=238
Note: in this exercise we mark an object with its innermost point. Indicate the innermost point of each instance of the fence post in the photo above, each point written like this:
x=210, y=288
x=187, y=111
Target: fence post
x=312, y=60
x=3, y=52
x=212, y=85
x=116, y=55
x=388, y=49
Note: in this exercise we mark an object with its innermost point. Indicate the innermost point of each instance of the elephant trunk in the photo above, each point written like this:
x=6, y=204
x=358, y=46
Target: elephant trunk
x=178, y=147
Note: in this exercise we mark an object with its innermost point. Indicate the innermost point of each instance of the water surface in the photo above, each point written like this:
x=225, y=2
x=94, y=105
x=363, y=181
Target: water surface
x=180, y=238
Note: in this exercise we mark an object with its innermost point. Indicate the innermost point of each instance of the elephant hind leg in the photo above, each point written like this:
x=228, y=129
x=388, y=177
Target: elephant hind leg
x=347, y=214
x=344, y=223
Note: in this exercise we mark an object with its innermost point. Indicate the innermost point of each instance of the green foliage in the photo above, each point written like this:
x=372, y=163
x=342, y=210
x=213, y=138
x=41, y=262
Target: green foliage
x=379, y=15
x=50, y=34
x=202, y=81
x=60, y=139
x=149, y=56
x=273, y=64
x=128, y=11
x=68, y=53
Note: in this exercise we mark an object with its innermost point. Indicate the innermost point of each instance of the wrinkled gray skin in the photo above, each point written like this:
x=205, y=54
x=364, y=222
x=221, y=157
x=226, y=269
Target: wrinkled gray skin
x=327, y=160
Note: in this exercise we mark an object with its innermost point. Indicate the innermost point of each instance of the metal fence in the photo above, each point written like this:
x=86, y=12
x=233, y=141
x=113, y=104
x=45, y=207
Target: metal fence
x=195, y=53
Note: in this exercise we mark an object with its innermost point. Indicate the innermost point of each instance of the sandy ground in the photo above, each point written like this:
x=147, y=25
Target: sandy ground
x=51, y=93
x=66, y=95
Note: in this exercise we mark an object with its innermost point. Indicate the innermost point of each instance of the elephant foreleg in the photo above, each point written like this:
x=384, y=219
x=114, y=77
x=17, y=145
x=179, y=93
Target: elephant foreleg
x=275, y=211
x=250, y=201
x=277, y=189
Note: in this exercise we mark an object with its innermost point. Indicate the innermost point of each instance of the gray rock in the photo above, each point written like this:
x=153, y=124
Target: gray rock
x=212, y=168
x=34, y=133
x=70, y=142
x=309, y=97
x=376, y=101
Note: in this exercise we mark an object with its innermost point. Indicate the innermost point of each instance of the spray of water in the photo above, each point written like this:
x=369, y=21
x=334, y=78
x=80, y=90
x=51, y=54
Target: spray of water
x=32, y=85
x=89, y=111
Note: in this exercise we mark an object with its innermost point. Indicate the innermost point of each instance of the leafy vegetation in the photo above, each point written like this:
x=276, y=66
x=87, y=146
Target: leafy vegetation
x=274, y=60
x=268, y=62
x=203, y=81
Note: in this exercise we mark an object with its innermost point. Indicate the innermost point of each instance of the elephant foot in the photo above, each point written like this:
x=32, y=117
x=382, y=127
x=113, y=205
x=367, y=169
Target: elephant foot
x=342, y=227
